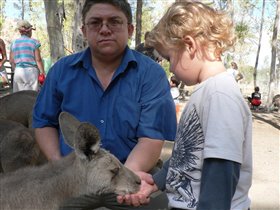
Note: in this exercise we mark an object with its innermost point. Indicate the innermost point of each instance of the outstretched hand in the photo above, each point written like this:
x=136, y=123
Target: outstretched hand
x=142, y=197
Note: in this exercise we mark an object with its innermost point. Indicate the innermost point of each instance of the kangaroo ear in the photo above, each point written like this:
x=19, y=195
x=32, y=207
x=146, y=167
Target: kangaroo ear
x=87, y=140
x=83, y=137
x=68, y=126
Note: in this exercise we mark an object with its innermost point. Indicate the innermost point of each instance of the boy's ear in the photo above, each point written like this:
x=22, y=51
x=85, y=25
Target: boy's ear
x=190, y=44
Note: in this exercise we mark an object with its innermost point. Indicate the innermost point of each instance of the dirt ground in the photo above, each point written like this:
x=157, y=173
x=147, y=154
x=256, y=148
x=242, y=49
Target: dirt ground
x=266, y=166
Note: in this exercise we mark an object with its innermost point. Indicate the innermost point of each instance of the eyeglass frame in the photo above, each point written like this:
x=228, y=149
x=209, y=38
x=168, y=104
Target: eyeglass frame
x=109, y=24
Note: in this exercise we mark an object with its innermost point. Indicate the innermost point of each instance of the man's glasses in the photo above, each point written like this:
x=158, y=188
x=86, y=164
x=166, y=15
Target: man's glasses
x=112, y=24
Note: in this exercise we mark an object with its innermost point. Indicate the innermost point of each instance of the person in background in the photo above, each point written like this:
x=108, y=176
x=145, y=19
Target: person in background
x=3, y=53
x=233, y=71
x=174, y=89
x=174, y=84
x=117, y=89
x=3, y=57
x=211, y=163
x=25, y=59
x=148, y=51
x=255, y=99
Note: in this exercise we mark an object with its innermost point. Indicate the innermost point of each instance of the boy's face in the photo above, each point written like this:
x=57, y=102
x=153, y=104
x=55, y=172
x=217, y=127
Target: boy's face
x=106, y=30
x=181, y=64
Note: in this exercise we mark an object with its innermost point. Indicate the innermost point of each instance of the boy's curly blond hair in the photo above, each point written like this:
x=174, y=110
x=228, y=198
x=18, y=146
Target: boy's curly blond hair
x=212, y=30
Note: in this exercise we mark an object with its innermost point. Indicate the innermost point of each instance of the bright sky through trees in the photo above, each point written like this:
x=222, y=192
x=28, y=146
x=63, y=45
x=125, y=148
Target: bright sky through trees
x=158, y=9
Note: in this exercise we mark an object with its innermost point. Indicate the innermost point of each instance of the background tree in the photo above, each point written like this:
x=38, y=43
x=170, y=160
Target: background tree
x=138, y=22
x=78, y=42
x=272, y=80
x=259, y=46
x=2, y=17
x=54, y=18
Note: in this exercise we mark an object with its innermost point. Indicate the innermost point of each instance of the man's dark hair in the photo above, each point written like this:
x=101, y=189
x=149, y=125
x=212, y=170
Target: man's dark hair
x=175, y=80
x=123, y=5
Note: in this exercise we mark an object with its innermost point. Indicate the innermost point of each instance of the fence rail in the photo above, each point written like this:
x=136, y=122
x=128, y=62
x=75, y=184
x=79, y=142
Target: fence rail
x=9, y=72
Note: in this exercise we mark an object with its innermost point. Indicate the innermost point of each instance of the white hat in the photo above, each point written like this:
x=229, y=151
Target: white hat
x=24, y=25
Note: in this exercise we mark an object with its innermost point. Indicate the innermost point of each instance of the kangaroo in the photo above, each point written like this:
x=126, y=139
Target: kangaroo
x=18, y=147
x=88, y=170
x=18, y=106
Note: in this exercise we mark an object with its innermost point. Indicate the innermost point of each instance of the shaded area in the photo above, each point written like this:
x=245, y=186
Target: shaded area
x=272, y=118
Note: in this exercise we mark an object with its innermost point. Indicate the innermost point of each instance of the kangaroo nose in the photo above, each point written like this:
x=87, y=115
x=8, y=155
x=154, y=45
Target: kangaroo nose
x=138, y=180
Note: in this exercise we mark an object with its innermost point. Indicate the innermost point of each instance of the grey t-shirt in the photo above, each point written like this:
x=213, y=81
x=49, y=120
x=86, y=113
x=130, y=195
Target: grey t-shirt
x=216, y=123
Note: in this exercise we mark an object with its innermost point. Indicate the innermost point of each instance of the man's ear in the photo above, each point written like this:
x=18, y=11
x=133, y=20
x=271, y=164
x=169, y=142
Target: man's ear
x=83, y=29
x=130, y=30
x=190, y=44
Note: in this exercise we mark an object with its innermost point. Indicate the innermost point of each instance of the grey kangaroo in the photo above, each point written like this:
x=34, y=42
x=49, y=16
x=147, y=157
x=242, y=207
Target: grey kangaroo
x=88, y=170
x=18, y=106
x=18, y=147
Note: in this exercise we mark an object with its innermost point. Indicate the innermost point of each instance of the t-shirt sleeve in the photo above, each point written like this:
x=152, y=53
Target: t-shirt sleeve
x=160, y=176
x=224, y=128
x=158, y=115
x=218, y=184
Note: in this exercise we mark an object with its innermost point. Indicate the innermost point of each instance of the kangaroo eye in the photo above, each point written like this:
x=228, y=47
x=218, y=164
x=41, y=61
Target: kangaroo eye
x=115, y=171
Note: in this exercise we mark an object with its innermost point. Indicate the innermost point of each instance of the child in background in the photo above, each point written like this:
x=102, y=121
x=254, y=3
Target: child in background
x=174, y=83
x=233, y=71
x=255, y=99
x=211, y=163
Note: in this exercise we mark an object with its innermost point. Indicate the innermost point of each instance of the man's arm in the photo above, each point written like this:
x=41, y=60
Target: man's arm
x=145, y=154
x=47, y=139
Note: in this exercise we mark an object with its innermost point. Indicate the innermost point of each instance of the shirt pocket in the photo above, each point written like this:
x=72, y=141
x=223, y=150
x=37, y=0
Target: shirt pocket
x=126, y=118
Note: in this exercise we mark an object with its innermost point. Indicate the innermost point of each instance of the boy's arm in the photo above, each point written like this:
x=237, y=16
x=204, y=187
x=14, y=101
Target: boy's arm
x=218, y=183
x=160, y=176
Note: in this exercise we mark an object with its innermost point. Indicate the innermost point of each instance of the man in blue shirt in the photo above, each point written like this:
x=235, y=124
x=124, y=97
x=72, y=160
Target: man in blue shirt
x=125, y=94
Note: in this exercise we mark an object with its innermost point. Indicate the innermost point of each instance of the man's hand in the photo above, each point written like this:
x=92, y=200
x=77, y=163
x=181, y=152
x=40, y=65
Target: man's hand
x=142, y=196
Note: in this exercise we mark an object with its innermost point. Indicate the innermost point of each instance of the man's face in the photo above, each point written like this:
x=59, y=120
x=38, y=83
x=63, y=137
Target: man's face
x=106, y=30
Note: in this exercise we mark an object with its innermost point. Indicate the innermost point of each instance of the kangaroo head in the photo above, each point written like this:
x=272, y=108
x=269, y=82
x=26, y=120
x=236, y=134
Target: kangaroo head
x=105, y=173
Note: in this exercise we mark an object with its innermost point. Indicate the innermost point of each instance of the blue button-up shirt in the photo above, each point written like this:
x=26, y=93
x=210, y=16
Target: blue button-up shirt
x=137, y=103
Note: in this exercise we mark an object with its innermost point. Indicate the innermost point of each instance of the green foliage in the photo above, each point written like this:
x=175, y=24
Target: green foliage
x=242, y=31
x=67, y=25
x=2, y=18
x=165, y=65
x=247, y=72
x=38, y=20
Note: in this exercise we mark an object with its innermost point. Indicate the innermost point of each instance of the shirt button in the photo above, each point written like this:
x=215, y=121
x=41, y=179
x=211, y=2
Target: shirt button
x=102, y=121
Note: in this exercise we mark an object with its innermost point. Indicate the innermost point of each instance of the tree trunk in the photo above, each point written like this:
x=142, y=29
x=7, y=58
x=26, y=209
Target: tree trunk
x=23, y=9
x=259, y=47
x=230, y=8
x=78, y=41
x=54, y=27
x=138, y=22
x=272, y=86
